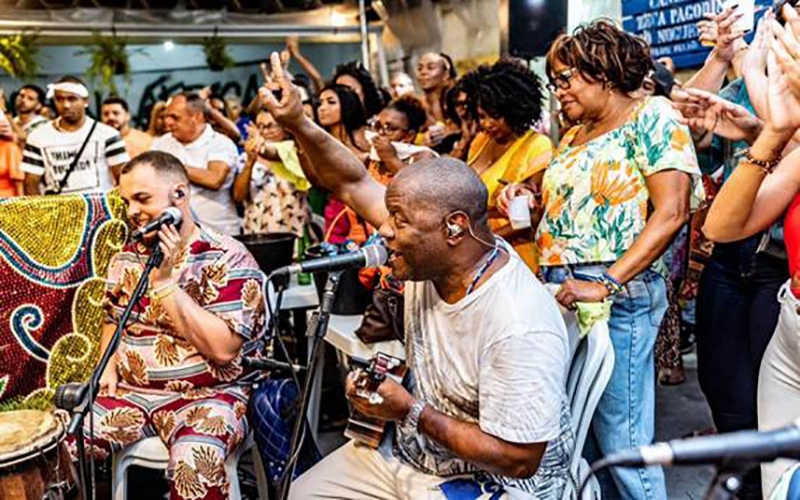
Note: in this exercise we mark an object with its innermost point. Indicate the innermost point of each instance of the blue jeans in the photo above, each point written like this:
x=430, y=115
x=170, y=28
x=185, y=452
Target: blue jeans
x=625, y=416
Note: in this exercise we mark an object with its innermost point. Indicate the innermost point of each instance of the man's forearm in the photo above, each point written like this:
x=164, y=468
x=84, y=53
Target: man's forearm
x=31, y=185
x=334, y=164
x=470, y=443
x=204, y=330
x=206, y=178
x=710, y=77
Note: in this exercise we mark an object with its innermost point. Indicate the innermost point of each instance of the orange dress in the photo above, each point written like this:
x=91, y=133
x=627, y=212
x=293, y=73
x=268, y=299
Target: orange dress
x=10, y=159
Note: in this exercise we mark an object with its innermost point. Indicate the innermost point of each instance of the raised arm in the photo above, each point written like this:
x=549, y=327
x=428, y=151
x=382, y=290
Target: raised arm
x=751, y=200
x=335, y=166
x=712, y=75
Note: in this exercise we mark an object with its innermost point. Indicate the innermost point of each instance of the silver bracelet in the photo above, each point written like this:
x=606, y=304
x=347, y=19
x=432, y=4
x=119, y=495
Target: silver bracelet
x=411, y=422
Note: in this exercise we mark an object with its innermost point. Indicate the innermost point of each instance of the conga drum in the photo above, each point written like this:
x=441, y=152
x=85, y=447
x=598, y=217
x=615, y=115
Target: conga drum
x=33, y=461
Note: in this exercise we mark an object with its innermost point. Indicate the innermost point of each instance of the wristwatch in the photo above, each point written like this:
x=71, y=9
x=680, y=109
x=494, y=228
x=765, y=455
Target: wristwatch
x=411, y=422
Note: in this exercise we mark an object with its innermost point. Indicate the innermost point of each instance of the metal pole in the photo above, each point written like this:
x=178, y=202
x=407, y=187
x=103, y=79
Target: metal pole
x=382, y=68
x=362, y=17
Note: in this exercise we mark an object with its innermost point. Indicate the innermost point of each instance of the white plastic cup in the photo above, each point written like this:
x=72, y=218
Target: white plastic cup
x=518, y=213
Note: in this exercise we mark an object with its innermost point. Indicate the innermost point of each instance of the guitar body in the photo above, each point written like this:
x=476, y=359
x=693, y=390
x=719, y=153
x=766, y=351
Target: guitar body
x=367, y=430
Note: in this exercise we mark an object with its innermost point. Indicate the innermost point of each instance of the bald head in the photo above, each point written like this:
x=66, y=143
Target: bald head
x=441, y=186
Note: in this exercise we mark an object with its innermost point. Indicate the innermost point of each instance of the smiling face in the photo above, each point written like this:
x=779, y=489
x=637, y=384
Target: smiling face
x=580, y=99
x=184, y=125
x=115, y=116
x=432, y=72
x=147, y=194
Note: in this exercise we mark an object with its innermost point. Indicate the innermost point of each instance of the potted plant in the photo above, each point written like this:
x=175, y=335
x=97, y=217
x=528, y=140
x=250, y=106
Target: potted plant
x=216, y=51
x=18, y=54
x=109, y=57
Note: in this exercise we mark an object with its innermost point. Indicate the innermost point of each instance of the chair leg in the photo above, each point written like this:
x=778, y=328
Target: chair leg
x=119, y=485
x=261, y=475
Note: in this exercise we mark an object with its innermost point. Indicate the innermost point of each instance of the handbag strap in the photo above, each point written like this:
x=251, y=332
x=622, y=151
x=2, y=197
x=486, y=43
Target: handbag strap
x=60, y=184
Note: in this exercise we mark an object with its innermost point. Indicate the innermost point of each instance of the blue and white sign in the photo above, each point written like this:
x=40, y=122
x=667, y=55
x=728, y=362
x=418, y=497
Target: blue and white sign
x=670, y=26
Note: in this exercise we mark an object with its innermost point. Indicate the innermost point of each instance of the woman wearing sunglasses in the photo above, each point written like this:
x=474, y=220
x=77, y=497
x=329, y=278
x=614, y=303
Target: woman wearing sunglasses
x=615, y=194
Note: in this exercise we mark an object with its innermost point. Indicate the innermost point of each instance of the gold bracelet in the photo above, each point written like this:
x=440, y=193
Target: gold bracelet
x=163, y=287
x=165, y=292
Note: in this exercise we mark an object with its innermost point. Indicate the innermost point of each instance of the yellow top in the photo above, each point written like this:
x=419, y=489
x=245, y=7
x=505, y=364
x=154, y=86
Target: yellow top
x=529, y=155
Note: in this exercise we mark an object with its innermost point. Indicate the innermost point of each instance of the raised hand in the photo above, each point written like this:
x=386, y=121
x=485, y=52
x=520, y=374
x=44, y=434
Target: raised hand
x=783, y=78
x=756, y=57
x=704, y=111
x=786, y=48
x=719, y=30
x=287, y=107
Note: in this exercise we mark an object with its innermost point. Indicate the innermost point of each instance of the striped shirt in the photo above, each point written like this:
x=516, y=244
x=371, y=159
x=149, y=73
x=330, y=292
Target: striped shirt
x=49, y=152
x=219, y=274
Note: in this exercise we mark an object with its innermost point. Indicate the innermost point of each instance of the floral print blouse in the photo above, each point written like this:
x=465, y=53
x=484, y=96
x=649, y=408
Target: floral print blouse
x=595, y=198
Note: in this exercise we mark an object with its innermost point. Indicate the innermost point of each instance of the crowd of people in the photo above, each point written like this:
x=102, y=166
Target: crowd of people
x=669, y=203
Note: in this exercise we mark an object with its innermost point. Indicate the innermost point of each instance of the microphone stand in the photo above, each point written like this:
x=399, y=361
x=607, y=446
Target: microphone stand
x=80, y=403
x=319, y=325
x=728, y=481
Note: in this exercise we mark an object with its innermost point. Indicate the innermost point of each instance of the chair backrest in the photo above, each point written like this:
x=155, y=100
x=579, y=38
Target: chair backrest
x=588, y=376
x=589, y=371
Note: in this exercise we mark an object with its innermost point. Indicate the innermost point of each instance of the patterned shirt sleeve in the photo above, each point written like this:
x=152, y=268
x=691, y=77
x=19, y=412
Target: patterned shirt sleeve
x=668, y=146
x=239, y=297
x=522, y=387
x=116, y=154
x=32, y=159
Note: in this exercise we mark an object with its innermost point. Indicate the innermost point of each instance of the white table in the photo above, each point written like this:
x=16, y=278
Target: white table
x=298, y=296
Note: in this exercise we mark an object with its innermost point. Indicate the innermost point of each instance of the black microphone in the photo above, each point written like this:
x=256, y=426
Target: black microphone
x=172, y=215
x=369, y=256
x=270, y=364
x=742, y=446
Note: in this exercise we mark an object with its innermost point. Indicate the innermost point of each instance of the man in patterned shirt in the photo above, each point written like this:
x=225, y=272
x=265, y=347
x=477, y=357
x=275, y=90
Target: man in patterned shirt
x=484, y=413
x=177, y=373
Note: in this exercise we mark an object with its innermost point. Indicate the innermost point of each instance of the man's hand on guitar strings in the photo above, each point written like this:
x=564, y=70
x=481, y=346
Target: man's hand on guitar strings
x=394, y=404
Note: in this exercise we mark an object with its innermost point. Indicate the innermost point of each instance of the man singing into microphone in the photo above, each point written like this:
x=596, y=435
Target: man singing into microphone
x=484, y=414
x=177, y=373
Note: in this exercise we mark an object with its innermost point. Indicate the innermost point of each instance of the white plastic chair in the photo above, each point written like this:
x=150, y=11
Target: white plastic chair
x=152, y=454
x=589, y=372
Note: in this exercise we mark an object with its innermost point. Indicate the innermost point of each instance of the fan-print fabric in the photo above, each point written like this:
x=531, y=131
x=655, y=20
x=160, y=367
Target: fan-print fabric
x=200, y=428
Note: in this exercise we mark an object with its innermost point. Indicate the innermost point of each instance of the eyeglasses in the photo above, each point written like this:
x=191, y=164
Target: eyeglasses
x=387, y=128
x=561, y=81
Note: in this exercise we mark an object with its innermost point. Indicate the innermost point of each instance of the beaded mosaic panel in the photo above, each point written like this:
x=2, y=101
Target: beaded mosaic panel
x=54, y=255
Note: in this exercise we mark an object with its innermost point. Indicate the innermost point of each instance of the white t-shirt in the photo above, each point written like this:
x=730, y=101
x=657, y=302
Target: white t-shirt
x=211, y=208
x=499, y=358
x=49, y=153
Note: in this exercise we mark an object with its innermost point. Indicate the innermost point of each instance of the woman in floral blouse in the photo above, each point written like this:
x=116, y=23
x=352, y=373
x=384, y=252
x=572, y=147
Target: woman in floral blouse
x=615, y=194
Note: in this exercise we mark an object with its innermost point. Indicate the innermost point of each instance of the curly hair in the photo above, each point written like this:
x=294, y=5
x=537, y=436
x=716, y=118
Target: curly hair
x=373, y=102
x=507, y=89
x=602, y=52
x=413, y=109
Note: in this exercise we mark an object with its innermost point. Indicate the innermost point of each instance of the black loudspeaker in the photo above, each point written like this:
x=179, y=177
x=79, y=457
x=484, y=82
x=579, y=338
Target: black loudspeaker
x=528, y=27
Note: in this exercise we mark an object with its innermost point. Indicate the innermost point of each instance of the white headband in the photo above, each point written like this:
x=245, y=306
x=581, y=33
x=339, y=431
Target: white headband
x=78, y=89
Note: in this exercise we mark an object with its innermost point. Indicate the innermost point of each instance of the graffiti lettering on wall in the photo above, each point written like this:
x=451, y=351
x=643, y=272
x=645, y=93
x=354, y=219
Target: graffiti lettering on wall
x=164, y=86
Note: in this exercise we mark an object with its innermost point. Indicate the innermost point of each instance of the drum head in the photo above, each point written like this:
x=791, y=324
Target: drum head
x=25, y=432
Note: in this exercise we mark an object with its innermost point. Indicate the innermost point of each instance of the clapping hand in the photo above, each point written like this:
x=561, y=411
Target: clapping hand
x=783, y=68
